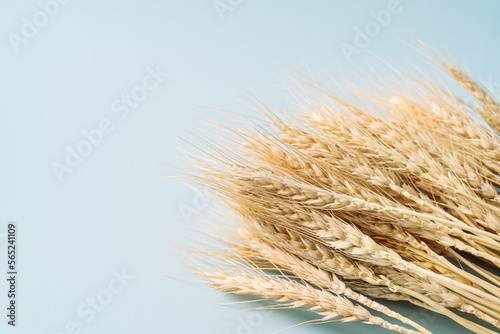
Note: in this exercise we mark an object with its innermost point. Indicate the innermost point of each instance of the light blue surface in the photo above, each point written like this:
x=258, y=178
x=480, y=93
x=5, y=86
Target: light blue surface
x=111, y=211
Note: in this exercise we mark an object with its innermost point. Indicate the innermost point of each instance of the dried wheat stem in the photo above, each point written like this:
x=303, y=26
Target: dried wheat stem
x=467, y=324
x=483, y=313
x=298, y=295
x=367, y=145
x=362, y=205
x=436, y=292
x=467, y=276
x=382, y=281
x=323, y=279
x=495, y=279
x=490, y=110
x=328, y=200
x=352, y=242
x=464, y=289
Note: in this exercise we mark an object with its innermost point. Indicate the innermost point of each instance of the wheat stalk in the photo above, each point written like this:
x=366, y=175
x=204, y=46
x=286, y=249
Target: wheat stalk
x=366, y=200
x=298, y=295
x=319, y=277
x=489, y=108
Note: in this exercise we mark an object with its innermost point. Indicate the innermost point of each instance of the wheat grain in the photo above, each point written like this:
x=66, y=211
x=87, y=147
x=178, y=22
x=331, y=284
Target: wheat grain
x=297, y=295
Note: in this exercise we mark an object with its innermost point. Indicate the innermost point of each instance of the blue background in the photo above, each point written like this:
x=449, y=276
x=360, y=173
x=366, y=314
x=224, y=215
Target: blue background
x=113, y=212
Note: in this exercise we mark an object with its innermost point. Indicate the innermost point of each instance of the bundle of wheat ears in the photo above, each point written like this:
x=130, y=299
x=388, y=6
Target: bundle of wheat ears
x=391, y=195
